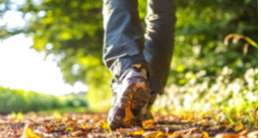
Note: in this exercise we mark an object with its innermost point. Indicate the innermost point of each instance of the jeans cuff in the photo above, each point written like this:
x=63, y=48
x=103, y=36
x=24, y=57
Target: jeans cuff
x=124, y=63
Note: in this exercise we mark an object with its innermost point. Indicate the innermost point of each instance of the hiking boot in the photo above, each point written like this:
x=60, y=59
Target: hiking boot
x=131, y=93
x=146, y=110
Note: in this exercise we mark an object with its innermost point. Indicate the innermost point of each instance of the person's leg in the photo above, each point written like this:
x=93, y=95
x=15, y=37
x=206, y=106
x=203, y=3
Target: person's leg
x=123, y=37
x=159, y=42
x=123, y=55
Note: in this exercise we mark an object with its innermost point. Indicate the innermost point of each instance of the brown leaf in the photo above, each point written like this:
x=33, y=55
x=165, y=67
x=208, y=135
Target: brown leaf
x=227, y=39
x=69, y=124
x=245, y=48
x=79, y=133
x=124, y=130
x=154, y=134
x=243, y=133
x=186, y=131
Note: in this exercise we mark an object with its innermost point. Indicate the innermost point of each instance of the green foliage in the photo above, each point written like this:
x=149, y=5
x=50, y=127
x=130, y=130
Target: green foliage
x=201, y=29
x=73, y=100
x=12, y=100
x=234, y=97
x=73, y=32
x=21, y=101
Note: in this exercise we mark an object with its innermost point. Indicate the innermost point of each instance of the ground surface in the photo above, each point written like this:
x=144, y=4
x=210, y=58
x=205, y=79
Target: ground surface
x=94, y=125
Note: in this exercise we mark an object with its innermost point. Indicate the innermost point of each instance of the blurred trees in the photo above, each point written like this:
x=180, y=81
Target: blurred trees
x=200, y=31
x=20, y=101
x=12, y=100
x=72, y=31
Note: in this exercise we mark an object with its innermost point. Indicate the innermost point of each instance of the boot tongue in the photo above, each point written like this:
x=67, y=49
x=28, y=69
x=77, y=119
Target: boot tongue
x=140, y=69
x=135, y=70
x=137, y=66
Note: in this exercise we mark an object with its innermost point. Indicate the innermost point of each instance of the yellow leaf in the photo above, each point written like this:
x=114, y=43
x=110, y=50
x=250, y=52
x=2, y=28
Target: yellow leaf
x=103, y=125
x=190, y=120
x=205, y=134
x=138, y=132
x=69, y=128
x=162, y=134
x=237, y=37
x=85, y=127
x=177, y=134
x=239, y=127
x=64, y=119
x=148, y=124
x=29, y=133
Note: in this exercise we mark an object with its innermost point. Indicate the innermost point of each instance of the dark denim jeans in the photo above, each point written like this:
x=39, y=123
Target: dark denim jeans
x=125, y=43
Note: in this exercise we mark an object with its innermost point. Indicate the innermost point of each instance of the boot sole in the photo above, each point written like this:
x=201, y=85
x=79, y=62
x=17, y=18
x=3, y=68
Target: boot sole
x=137, y=93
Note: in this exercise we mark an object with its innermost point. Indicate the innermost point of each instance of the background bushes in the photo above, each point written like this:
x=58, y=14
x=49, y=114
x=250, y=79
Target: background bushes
x=12, y=100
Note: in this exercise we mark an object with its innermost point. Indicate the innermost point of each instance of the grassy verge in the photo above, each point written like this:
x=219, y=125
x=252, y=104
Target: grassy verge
x=225, y=98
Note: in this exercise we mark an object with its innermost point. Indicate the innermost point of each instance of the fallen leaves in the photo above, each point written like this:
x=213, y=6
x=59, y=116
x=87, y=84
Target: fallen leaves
x=93, y=125
x=136, y=131
x=186, y=131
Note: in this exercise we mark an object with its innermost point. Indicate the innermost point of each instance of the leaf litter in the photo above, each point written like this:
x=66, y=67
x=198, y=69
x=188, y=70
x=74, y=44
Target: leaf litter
x=94, y=126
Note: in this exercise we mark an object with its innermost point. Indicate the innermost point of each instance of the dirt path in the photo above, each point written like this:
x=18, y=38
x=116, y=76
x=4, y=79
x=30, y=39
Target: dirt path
x=93, y=125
